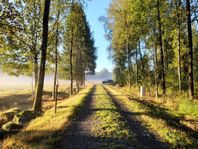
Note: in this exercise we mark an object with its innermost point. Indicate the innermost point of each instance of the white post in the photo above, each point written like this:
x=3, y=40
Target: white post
x=142, y=91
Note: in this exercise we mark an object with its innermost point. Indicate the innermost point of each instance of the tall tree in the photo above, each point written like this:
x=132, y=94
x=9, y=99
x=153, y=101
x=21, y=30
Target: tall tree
x=190, y=50
x=56, y=57
x=79, y=51
x=162, y=68
x=178, y=7
x=37, y=106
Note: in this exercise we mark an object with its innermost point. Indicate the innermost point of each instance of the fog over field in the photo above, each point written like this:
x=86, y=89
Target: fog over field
x=7, y=81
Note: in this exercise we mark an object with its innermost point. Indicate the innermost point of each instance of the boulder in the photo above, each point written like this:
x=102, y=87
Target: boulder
x=8, y=115
x=11, y=127
x=24, y=117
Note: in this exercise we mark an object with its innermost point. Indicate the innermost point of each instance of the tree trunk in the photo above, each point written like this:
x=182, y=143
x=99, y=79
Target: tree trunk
x=56, y=57
x=35, y=52
x=37, y=106
x=71, y=58
x=129, y=63
x=56, y=97
x=35, y=70
x=179, y=44
x=84, y=77
x=71, y=66
x=77, y=86
x=190, y=52
x=156, y=71
x=162, y=68
x=136, y=54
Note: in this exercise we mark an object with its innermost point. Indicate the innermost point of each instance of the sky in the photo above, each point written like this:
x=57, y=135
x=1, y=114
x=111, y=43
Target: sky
x=94, y=10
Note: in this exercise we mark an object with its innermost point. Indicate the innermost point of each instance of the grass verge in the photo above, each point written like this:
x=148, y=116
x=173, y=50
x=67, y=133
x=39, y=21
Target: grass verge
x=41, y=132
x=158, y=120
x=178, y=104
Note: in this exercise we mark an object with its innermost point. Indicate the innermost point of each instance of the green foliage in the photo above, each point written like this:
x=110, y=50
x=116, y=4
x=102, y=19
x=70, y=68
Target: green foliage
x=83, y=51
x=188, y=108
x=20, y=37
x=132, y=27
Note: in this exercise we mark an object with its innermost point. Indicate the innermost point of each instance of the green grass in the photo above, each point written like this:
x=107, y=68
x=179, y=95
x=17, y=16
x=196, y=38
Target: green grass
x=188, y=107
x=111, y=123
x=41, y=132
x=159, y=120
x=176, y=103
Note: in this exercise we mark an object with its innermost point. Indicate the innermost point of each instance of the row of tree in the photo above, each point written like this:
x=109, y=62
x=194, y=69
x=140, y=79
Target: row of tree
x=154, y=42
x=41, y=35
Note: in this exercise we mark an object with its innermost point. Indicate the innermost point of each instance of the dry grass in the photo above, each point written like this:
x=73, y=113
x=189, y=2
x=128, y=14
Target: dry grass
x=41, y=132
x=21, y=97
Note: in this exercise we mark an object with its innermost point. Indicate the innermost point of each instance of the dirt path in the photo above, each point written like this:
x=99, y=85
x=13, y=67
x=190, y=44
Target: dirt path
x=85, y=131
x=81, y=132
x=144, y=138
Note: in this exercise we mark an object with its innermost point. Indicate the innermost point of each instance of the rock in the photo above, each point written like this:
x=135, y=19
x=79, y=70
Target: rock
x=8, y=115
x=11, y=127
x=24, y=117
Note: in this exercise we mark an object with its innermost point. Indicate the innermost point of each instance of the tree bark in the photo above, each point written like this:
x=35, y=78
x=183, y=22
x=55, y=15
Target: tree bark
x=71, y=66
x=136, y=54
x=56, y=58
x=190, y=51
x=37, y=106
x=34, y=51
x=129, y=63
x=178, y=3
x=156, y=71
x=35, y=70
x=162, y=68
x=56, y=97
x=71, y=58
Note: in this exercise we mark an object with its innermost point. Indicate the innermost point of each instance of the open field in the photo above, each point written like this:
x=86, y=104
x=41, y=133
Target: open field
x=20, y=95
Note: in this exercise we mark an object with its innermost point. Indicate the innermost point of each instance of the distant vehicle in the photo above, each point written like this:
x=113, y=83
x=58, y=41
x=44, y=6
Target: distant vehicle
x=107, y=82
